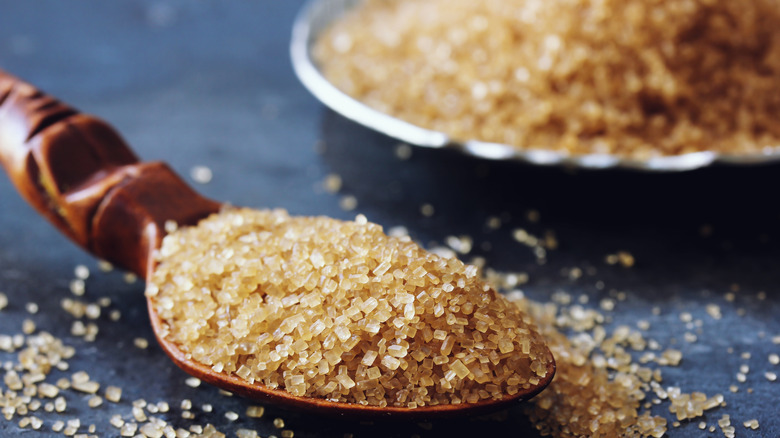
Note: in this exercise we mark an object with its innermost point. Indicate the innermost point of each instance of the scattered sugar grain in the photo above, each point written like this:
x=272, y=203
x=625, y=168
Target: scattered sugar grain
x=28, y=327
x=113, y=394
x=95, y=401
x=128, y=429
x=201, y=174
x=88, y=387
x=91, y=332
x=105, y=266
x=246, y=433
x=92, y=311
x=348, y=203
x=725, y=425
x=78, y=328
x=607, y=304
x=624, y=258
x=141, y=343
x=139, y=414
x=255, y=411
x=332, y=183
x=35, y=423
x=60, y=404
x=714, y=311
x=751, y=424
x=117, y=421
x=78, y=287
x=81, y=272
x=403, y=151
x=493, y=223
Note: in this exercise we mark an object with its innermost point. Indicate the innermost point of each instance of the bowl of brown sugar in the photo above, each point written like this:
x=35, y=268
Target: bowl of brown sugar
x=638, y=84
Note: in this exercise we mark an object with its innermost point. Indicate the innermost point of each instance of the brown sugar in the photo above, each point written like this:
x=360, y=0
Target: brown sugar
x=636, y=78
x=339, y=310
x=584, y=399
x=599, y=388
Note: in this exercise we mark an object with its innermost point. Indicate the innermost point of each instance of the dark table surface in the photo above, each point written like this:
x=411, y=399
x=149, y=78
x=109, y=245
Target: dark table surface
x=210, y=83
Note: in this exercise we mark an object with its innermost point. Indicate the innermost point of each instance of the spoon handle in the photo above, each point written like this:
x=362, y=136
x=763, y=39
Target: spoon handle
x=79, y=173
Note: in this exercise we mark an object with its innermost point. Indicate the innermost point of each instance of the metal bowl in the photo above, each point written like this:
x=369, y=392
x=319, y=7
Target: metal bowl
x=317, y=15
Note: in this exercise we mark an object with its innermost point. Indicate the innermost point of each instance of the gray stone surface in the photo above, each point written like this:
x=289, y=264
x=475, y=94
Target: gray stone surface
x=210, y=83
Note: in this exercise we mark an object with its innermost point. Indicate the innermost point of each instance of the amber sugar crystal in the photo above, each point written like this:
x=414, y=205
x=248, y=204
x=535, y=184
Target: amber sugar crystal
x=636, y=78
x=339, y=310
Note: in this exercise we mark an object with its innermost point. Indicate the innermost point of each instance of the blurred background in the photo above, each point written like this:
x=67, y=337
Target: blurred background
x=205, y=84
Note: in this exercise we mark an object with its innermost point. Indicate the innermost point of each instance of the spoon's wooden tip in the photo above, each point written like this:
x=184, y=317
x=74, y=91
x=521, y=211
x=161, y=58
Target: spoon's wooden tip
x=325, y=407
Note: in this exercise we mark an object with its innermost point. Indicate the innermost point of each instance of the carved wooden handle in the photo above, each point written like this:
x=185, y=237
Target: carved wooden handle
x=79, y=173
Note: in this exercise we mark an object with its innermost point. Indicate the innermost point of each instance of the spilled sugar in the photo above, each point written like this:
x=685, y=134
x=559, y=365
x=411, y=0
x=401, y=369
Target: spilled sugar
x=598, y=390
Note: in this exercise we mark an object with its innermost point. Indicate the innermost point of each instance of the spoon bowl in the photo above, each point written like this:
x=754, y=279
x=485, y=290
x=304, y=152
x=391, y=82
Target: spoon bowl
x=79, y=174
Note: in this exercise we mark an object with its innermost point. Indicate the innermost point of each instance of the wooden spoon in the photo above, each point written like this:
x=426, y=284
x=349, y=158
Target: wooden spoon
x=79, y=173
